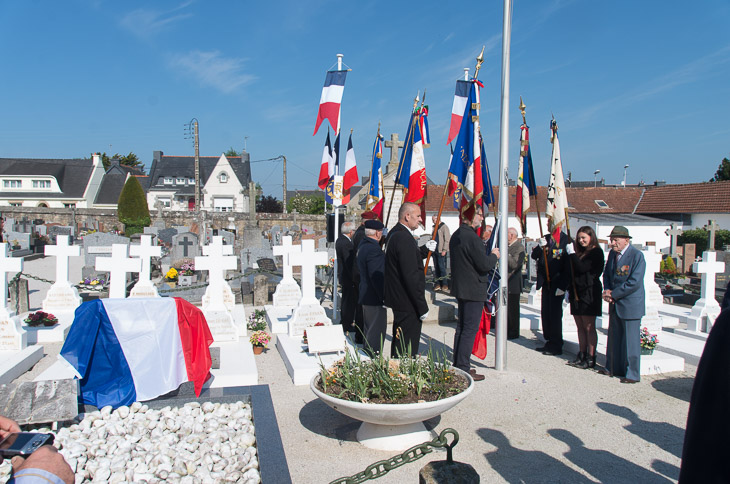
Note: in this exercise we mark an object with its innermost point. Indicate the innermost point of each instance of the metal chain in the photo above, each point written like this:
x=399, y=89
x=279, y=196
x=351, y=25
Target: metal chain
x=382, y=467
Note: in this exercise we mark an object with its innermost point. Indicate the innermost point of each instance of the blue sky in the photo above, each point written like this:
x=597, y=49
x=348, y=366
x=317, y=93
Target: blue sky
x=641, y=83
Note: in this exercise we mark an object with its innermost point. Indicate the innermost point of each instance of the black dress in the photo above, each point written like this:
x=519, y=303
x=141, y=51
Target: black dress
x=587, y=277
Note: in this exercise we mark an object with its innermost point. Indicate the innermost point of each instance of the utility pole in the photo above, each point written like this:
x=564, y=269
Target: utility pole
x=284, y=195
x=191, y=131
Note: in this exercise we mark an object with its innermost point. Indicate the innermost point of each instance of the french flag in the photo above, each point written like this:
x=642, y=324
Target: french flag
x=350, y=177
x=375, y=192
x=458, y=108
x=126, y=351
x=329, y=103
x=327, y=167
x=413, y=164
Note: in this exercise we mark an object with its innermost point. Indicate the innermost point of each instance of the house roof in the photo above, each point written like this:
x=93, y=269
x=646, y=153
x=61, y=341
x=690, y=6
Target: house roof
x=708, y=197
x=111, y=187
x=184, y=166
x=72, y=175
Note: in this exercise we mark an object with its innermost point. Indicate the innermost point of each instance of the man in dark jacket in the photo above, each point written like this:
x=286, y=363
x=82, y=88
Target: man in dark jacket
x=553, y=284
x=356, y=239
x=469, y=283
x=371, y=265
x=515, y=261
x=346, y=270
x=440, y=255
x=405, y=281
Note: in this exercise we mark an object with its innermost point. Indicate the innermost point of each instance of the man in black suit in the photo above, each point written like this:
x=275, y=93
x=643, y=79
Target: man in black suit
x=405, y=281
x=356, y=239
x=346, y=273
x=469, y=283
x=516, y=258
x=553, y=287
x=371, y=266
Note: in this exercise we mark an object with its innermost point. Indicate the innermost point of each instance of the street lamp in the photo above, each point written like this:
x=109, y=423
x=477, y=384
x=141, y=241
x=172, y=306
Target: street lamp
x=625, y=166
x=595, y=173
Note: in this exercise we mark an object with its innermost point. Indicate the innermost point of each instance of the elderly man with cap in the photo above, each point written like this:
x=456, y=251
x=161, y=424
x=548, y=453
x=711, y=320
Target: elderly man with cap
x=347, y=275
x=623, y=283
x=371, y=265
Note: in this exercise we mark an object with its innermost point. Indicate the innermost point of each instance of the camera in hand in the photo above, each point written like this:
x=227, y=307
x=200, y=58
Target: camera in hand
x=23, y=443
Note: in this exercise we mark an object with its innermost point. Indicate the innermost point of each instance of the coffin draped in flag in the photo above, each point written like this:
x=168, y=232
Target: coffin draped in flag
x=457, y=109
x=327, y=167
x=375, y=191
x=525, y=179
x=412, y=169
x=557, y=200
x=331, y=99
x=128, y=350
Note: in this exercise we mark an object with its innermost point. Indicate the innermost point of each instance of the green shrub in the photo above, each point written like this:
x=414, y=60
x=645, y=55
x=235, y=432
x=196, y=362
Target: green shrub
x=667, y=266
x=701, y=238
x=132, y=208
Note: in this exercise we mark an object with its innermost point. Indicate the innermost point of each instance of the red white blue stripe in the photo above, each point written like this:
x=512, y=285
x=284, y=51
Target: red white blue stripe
x=331, y=99
x=458, y=108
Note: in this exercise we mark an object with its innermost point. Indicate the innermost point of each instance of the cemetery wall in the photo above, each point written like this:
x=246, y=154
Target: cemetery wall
x=65, y=216
x=699, y=220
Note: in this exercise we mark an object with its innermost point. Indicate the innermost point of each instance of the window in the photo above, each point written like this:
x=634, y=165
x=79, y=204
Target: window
x=223, y=204
x=41, y=183
x=223, y=177
x=167, y=180
x=180, y=181
x=69, y=205
x=16, y=204
x=165, y=201
x=191, y=181
x=601, y=203
x=12, y=183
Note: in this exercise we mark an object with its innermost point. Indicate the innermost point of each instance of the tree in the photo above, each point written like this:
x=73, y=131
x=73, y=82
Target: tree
x=723, y=171
x=306, y=204
x=232, y=152
x=128, y=160
x=701, y=238
x=268, y=204
x=132, y=208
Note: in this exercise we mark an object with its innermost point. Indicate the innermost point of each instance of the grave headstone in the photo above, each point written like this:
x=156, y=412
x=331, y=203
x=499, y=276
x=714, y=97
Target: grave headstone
x=18, y=240
x=260, y=290
x=12, y=336
x=218, y=302
x=145, y=251
x=118, y=266
x=711, y=227
x=62, y=296
x=288, y=293
x=19, y=296
x=166, y=235
x=57, y=230
x=184, y=246
x=673, y=232
x=229, y=238
x=101, y=243
x=309, y=311
x=653, y=299
x=159, y=224
x=706, y=309
x=688, y=257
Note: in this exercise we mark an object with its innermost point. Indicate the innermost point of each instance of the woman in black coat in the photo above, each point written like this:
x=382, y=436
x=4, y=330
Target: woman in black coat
x=587, y=260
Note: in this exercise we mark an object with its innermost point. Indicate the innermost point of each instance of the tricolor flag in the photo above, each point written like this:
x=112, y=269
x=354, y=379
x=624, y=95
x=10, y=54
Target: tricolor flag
x=127, y=351
x=423, y=126
x=329, y=102
x=412, y=168
x=458, y=108
x=525, y=179
x=350, y=177
x=327, y=167
x=375, y=192
x=488, y=196
x=329, y=190
x=557, y=200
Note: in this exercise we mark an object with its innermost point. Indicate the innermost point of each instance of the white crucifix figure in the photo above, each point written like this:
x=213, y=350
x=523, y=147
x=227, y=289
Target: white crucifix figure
x=285, y=250
x=118, y=265
x=216, y=263
x=708, y=267
x=7, y=264
x=145, y=251
x=308, y=259
x=62, y=251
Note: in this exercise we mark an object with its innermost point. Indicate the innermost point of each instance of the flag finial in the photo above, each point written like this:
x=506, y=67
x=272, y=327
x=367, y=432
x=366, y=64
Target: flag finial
x=522, y=110
x=480, y=60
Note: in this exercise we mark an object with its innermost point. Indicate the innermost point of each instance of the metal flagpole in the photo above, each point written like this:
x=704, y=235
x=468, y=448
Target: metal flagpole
x=501, y=349
x=335, y=207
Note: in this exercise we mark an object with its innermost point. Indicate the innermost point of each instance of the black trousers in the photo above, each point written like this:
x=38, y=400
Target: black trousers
x=470, y=315
x=349, y=305
x=513, y=315
x=406, y=331
x=552, y=318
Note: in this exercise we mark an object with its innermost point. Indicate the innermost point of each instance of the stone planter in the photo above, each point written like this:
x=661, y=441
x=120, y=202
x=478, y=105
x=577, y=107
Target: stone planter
x=647, y=351
x=257, y=350
x=187, y=280
x=392, y=426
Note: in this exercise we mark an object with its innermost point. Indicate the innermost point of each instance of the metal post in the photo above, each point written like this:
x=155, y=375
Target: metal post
x=284, y=195
x=625, y=167
x=501, y=349
x=197, y=168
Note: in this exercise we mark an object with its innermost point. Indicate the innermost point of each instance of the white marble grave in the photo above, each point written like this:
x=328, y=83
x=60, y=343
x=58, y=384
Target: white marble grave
x=309, y=311
x=145, y=251
x=706, y=309
x=16, y=357
x=652, y=293
x=217, y=311
x=118, y=265
x=288, y=293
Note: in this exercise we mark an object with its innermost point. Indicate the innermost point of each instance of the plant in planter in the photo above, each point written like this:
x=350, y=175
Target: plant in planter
x=15, y=244
x=648, y=341
x=392, y=397
x=259, y=340
x=171, y=277
x=186, y=272
x=257, y=320
x=95, y=283
x=40, y=318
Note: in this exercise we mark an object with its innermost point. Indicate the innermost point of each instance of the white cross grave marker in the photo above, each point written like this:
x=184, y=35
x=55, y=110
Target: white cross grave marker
x=216, y=263
x=118, y=265
x=62, y=297
x=285, y=250
x=12, y=336
x=145, y=251
x=706, y=309
x=62, y=251
x=308, y=259
x=7, y=264
x=673, y=232
x=653, y=299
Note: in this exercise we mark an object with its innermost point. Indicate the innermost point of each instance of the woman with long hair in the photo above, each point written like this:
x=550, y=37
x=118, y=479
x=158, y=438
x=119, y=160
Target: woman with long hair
x=587, y=260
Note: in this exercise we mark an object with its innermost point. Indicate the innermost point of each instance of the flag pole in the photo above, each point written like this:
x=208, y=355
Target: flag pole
x=500, y=356
x=400, y=165
x=372, y=165
x=523, y=108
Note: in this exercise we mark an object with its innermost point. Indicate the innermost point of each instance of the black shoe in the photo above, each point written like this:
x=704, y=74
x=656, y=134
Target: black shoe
x=579, y=358
x=605, y=371
x=628, y=380
x=541, y=348
x=552, y=352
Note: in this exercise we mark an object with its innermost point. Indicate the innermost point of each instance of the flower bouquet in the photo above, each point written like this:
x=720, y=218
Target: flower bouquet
x=171, y=275
x=39, y=318
x=95, y=284
x=257, y=321
x=187, y=268
x=648, y=341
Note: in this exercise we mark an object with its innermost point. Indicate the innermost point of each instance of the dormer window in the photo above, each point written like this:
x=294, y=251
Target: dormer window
x=41, y=183
x=223, y=177
x=180, y=181
x=191, y=181
x=601, y=203
x=167, y=180
x=12, y=183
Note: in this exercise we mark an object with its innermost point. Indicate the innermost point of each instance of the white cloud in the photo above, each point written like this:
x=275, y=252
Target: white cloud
x=212, y=69
x=144, y=22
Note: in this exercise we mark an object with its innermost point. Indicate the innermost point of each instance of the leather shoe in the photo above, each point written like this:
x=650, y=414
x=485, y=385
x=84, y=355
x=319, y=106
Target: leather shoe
x=605, y=371
x=551, y=352
x=476, y=376
x=628, y=380
x=541, y=348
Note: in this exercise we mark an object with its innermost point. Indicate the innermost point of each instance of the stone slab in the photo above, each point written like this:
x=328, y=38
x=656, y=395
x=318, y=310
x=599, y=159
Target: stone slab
x=44, y=334
x=15, y=363
x=301, y=365
x=237, y=366
x=59, y=370
x=278, y=319
x=240, y=317
x=326, y=339
x=287, y=294
x=40, y=402
x=221, y=325
x=306, y=315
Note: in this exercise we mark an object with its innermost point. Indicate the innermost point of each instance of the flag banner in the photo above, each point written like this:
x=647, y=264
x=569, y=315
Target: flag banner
x=135, y=350
x=327, y=167
x=350, y=177
x=412, y=170
x=525, y=179
x=423, y=126
x=465, y=169
x=375, y=191
x=458, y=108
x=329, y=102
x=488, y=197
x=329, y=190
x=557, y=200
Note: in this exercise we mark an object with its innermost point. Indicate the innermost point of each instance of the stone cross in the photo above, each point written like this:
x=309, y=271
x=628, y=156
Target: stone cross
x=708, y=267
x=24, y=223
x=158, y=206
x=216, y=262
x=7, y=264
x=145, y=251
x=673, y=232
x=712, y=227
x=308, y=259
x=118, y=265
x=285, y=250
x=394, y=144
x=185, y=242
x=62, y=251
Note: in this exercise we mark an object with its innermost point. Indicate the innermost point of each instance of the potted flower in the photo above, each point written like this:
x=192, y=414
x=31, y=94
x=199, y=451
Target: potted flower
x=171, y=277
x=392, y=397
x=186, y=273
x=257, y=321
x=40, y=318
x=648, y=341
x=259, y=340
x=15, y=245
